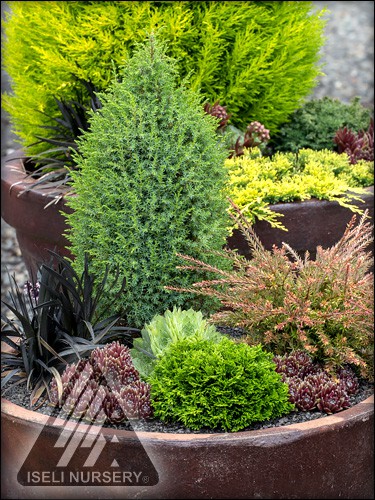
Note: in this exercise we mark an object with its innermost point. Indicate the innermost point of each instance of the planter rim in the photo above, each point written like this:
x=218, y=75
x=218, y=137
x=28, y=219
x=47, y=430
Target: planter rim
x=361, y=411
x=13, y=175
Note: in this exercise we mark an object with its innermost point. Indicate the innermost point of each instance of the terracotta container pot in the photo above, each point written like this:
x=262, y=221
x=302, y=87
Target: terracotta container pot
x=330, y=457
x=309, y=223
x=38, y=229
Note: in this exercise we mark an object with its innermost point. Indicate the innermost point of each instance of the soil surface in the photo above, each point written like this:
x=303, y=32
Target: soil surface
x=21, y=396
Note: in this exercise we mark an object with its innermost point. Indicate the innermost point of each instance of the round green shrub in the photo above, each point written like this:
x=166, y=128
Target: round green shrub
x=315, y=124
x=150, y=183
x=223, y=385
x=260, y=59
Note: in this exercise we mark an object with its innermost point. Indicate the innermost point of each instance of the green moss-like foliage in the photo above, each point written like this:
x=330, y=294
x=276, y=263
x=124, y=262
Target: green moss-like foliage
x=172, y=326
x=260, y=59
x=256, y=181
x=150, y=183
x=315, y=124
x=226, y=385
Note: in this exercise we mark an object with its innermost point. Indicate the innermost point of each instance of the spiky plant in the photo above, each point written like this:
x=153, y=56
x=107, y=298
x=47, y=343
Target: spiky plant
x=54, y=323
x=358, y=146
x=285, y=302
x=51, y=167
x=103, y=388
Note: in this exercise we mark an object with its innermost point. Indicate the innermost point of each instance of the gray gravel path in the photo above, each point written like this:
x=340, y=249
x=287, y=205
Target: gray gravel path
x=349, y=71
x=348, y=53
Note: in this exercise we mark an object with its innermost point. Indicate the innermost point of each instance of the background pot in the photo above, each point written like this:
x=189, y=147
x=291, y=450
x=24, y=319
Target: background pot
x=37, y=228
x=330, y=457
x=309, y=223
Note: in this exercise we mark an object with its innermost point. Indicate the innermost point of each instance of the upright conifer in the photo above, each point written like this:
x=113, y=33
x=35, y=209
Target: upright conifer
x=150, y=183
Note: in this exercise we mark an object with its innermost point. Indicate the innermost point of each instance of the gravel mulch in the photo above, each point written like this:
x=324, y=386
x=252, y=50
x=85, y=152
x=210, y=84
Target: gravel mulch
x=21, y=396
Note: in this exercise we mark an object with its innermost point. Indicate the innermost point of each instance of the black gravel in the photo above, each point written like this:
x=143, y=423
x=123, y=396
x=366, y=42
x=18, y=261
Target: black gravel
x=21, y=396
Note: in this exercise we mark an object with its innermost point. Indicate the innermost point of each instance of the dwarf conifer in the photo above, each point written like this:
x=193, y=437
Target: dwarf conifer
x=150, y=183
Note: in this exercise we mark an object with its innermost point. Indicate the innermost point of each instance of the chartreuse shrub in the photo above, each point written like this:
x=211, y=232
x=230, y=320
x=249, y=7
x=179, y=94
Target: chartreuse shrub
x=255, y=181
x=258, y=58
x=224, y=385
x=172, y=326
x=316, y=122
x=150, y=183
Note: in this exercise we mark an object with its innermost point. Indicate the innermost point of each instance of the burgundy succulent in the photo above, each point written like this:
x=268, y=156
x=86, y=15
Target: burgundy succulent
x=104, y=388
x=332, y=398
x=358, y=146
x=219, y=112
x=348, y=380
x=116, y=363
x=136, y=399
x=311, y=387
x=318, y=379
x=297, y=363
x=302, y=393
x=256, y=135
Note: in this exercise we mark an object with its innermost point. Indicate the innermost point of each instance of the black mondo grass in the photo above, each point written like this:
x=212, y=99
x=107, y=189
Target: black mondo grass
x=55, y=323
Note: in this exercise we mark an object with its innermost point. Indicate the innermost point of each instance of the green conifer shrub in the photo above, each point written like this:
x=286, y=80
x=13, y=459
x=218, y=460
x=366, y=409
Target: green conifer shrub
x=315, y=124
x=224, y=385
x=150, y=182
x=258, y=58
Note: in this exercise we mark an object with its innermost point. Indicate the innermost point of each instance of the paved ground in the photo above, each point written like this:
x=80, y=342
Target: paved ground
x=348, y=53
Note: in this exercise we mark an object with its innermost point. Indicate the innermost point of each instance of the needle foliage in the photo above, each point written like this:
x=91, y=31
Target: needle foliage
x=150, y=183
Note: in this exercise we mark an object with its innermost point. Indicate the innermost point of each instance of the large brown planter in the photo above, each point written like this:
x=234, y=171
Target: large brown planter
x=309, y=223
x=331, y=457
